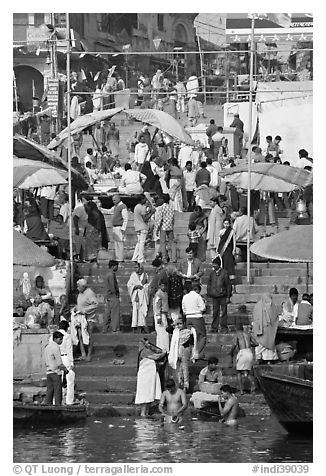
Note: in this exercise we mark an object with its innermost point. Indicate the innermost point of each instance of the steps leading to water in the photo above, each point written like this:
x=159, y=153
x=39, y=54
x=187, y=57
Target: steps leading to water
x=111, y=388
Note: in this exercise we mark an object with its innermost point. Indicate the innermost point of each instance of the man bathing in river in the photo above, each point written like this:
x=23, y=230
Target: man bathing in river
x=245, y=357
x=229, y=411
x=176, y=402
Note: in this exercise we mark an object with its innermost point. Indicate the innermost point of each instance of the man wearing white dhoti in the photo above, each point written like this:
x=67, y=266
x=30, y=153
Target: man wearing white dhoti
x=148, y=381
x=138, y=289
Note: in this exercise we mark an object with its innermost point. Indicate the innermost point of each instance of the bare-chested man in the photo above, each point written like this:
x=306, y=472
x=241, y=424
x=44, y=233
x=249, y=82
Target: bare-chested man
x=245, y=358
x=229, y=411
x=176, y=402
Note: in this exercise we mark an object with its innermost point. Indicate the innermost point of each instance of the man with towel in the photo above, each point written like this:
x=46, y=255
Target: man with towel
x=245, y=358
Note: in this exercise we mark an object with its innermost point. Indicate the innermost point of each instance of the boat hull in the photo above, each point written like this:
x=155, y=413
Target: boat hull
x=290, y=398
x=45, y=414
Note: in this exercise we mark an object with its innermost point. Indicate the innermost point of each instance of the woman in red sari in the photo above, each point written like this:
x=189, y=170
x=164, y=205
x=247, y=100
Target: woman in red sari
x=226, y=249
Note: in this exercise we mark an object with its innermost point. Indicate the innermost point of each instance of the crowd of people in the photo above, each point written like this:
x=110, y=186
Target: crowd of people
x=165, y=177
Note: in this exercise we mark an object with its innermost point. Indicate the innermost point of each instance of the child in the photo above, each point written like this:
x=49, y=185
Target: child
x=161, y=311
x=181, y=353
x=193, y=235
x=176, y=402
x=304, y=317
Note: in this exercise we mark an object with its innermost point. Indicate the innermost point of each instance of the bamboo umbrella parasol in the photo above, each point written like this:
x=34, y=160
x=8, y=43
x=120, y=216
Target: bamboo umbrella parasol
x=30, y=173
x=268, y=177
x=162, y=121
x=294, y=245
x=27, y=253
x=81, y=123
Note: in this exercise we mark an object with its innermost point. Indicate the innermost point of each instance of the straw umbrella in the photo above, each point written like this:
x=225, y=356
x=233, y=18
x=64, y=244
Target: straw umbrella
x=27, y=253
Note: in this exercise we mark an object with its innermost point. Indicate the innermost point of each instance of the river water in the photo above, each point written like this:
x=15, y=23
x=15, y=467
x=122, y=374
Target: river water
x=134, y=440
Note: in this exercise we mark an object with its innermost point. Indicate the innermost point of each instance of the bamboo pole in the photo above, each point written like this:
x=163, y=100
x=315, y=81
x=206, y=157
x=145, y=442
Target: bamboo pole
x=71, y=258
x=16, y=96
x=252, y=48
x=201, y=66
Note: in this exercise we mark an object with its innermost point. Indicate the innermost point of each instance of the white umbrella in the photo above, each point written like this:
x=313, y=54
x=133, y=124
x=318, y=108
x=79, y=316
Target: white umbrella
x=31, y=173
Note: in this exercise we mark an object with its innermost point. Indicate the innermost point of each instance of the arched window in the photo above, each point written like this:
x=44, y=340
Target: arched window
x=181, y=35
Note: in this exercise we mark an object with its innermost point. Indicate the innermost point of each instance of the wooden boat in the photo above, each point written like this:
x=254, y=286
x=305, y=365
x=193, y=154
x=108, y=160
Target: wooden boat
x=288, y=390
x=55, y=414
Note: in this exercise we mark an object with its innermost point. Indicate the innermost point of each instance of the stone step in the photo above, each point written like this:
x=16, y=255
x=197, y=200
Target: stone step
x=110, y=398
x=100, y=369
x=268, y=271
x=271, y=280
x=126, y=269
x=255, y=297
x=132, y=339
x=250, y=405
x=112, y=384
x=271, y=288
x=256, y=408
x=240, y=266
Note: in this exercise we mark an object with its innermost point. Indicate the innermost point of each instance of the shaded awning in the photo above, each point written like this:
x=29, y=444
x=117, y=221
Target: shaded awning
x=162, y=121
x=294, y=245
x=269, y=177
x=30, y=173
x=82, y=122
x=28, y=149
x=27, y=253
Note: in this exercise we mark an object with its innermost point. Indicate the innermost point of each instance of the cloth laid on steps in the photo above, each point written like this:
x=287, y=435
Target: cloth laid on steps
x=148, y=382
x=199, y=398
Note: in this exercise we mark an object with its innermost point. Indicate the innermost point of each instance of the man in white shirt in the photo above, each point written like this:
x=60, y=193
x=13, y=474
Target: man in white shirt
x=141, y=217
x=193, y=307
x=190, y=185
x=54, y=368
x=47, y=195
x=89, y=158
x=132, y=181
x=185, y=155
x=305, y=160
x=64, y=209
x=68, y=361
x=141, y=152
x=213, y=171
x=240, y=226
x=218, y=140
x=119, y=225
x=192, y=85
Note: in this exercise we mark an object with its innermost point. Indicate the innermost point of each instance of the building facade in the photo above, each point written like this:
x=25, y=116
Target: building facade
x=99, y=41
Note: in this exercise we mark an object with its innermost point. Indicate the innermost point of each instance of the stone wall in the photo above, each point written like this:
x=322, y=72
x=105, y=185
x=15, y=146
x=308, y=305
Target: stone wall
x=28, y=350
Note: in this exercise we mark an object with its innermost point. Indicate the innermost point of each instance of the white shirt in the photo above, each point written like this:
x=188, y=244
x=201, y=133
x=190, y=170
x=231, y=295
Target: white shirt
x=64, y=211
x=189, y=268
x=185, y=155
x=304, y=163
x=87, y=158
x=66, y=347
x=48, y=192
x=217, y=137
x=193, y=305
x=214, y=175
x=189, y=177
x=192, y=85
x=141, y=151
x=74, y=108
